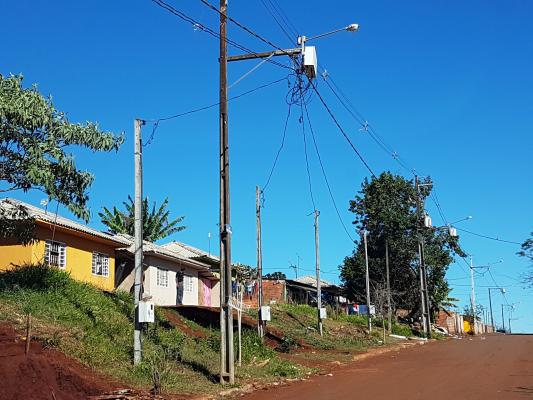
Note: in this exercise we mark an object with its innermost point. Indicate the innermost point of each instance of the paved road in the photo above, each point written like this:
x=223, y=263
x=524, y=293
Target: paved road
x=497, y=367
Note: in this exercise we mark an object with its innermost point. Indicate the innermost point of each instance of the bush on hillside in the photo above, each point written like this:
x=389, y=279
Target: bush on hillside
x=35, y=277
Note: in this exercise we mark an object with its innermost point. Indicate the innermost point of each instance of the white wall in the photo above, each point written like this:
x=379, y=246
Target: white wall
x=166, y=296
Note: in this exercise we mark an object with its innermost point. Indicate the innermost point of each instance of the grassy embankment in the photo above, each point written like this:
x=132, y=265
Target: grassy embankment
x=96, y=328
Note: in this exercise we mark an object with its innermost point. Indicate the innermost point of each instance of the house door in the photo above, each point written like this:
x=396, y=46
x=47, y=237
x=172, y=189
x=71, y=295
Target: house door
x=206, y=292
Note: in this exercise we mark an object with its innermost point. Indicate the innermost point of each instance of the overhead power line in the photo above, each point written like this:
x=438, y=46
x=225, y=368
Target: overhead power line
x=488, y=237
x=198, y=25
x=341, y=129
x=195, y=110
x=272, y=12
x=243, y=27
x=325, y=176
x=279, y=149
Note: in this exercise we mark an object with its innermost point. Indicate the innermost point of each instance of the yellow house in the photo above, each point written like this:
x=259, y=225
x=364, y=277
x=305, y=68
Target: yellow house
x=86, y=253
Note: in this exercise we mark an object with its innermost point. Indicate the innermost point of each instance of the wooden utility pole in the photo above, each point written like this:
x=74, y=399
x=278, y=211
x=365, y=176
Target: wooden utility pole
x=227, y=366
x=367, y=275
x=389, y=309
x=138, y=226
x=28, y=334
x=260, y=323
x=318, y=283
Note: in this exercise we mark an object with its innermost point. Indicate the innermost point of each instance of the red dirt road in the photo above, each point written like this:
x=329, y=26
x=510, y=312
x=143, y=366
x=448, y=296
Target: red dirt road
x=497, y=367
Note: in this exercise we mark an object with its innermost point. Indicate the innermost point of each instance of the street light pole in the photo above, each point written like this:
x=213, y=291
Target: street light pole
x=227, y=367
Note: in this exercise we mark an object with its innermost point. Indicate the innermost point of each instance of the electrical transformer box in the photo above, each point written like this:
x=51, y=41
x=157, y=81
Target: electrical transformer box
x=265, y=313
x=146, y=311
x=310, y=62
x=323, y=313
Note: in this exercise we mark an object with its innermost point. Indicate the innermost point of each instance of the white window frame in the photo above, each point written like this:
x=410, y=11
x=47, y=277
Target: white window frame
x=162, y=277
x=61, y=253
x=104, y=259
x=188, y=283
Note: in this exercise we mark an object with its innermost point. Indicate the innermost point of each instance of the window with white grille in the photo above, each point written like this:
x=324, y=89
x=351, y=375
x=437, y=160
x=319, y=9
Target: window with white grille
x=100, y=264
x=55, y=254
x=188, y=283
x=162, y=277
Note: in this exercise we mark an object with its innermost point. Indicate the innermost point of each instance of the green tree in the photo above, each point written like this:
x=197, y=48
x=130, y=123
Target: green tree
x=386, y=208
x=275, y=275
x=527, y=251
x=156, y=223
x=34, y=137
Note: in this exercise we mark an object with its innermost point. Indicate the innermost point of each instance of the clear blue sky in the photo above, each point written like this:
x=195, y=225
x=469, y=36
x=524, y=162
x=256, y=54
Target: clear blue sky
x=448, y=85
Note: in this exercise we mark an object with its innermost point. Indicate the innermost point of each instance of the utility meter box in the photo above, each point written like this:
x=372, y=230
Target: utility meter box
x=372, y=310
x=310, y=62
x=323, y=313
x=265, y=313
x=146, y=311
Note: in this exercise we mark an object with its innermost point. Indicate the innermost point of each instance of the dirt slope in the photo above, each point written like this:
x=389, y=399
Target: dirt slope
x=44, y=373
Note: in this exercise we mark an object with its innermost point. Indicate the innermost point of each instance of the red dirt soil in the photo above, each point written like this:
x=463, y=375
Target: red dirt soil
x=44, y=374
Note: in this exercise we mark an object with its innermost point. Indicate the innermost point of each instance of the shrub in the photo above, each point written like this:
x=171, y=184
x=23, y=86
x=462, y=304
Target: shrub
x=39, y=277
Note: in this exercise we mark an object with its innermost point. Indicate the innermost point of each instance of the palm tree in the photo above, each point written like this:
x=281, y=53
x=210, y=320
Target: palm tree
x=156, y=224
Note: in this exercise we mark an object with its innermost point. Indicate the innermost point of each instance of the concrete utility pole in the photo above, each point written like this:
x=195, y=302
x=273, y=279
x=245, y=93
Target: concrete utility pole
x=318, y=283
x=367, y=274
x=503, y=320
x=260, y=323
x=389, y=309
x=138, y=226
x=490, y=307
x=227, y=360
x=473, y=295
x=424, y=295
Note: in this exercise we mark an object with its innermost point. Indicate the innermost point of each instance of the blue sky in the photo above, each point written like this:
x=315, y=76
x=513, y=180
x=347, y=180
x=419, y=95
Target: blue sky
x=448, y=86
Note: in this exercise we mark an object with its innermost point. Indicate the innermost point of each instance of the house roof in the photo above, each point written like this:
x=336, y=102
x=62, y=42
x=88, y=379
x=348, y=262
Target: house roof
x=190, y=252
x=311, y=280
x=164, y=252
x=40, y=215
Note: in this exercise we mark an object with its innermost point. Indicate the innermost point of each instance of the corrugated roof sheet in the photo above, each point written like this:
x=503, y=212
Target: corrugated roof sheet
x=188, y=251
x=162, y=250
x=311, y=280
x=51, y=217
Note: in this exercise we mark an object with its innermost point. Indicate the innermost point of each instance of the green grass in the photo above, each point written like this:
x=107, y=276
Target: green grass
x=96, y=328
x=341, y=332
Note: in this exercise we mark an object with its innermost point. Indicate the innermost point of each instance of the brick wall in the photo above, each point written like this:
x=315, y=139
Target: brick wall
x=273, y=291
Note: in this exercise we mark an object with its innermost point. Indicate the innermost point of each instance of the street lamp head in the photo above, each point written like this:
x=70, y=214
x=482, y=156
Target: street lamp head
x=352, y=27
x=469, y=217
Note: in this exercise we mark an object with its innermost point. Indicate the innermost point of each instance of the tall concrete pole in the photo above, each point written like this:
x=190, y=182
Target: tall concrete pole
x=424, y=294
x=260, y=323
x=138, y=226
x=367, y=275
x=389, y=309
x=318, y=282
x=491, y=315
x=227, y=366
x=473, y=294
